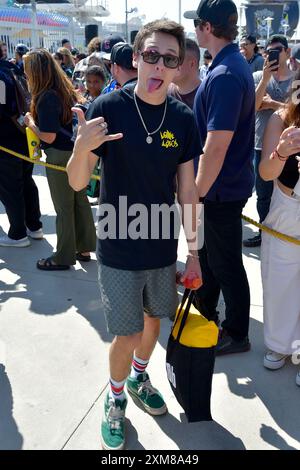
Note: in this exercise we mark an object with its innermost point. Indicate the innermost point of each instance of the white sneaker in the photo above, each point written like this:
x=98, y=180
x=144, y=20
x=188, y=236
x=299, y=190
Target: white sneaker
x=6, y=241
x=36, y=235
x=274, y=360
x=298, y=379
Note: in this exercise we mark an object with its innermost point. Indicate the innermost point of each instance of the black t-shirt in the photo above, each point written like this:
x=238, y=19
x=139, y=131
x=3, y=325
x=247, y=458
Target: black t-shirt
x=290, y=174
x=49, y=111
x=142, y=173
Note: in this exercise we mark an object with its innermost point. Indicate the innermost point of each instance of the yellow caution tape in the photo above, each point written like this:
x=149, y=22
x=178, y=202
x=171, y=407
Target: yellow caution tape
x=38, y=162
x=268, y=230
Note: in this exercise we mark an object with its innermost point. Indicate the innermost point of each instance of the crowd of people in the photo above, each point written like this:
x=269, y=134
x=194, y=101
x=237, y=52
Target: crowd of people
x=159, y=124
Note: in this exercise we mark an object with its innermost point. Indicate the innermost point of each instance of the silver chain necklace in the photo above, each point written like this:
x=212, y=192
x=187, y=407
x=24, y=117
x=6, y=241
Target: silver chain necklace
x=149, y=138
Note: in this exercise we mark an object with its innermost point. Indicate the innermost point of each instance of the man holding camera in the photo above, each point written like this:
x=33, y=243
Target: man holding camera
x=272, y=87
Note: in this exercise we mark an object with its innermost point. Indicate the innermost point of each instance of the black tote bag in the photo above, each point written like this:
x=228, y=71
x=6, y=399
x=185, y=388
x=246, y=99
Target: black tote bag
x=190, y=370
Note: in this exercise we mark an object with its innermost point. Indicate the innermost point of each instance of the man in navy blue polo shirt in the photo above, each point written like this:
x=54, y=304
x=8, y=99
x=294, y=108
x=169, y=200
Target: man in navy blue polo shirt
x=224, y=109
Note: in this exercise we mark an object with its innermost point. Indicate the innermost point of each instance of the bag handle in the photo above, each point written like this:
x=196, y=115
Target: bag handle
x=184, y=299
x=187, y=296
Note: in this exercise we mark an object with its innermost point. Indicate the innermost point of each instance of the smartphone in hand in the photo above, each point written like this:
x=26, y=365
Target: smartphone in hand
x=273, y=54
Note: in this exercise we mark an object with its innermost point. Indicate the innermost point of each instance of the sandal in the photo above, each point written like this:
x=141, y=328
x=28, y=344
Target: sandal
x=47, y=264
x=81, y=257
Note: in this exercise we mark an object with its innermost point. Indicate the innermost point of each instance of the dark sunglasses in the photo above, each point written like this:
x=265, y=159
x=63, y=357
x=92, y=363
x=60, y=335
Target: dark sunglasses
x=152, y=57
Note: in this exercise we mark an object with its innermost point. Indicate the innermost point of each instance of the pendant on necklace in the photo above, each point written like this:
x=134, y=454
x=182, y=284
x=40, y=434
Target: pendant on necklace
x=149, y=140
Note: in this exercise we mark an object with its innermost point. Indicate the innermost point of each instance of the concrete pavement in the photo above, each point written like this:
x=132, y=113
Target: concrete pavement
x=54, y=365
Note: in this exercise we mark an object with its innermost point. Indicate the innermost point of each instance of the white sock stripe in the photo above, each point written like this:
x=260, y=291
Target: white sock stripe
x=117, y=384
x=140, y=362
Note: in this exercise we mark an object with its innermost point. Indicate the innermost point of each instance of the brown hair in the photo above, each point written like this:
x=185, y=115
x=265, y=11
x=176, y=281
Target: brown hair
x=291, y=113
x=69, y=62
x=228, y=31
x=94, y=45
x=161, y=26
x=45, y=74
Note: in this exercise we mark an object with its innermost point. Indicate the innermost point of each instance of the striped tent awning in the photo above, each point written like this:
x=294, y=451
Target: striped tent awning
x=23, y=16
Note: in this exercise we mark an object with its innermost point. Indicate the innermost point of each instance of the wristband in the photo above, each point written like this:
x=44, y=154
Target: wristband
x=280, y=157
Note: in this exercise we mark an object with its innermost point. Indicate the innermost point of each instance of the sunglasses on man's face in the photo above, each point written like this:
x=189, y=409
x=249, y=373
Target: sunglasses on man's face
x=152, y=57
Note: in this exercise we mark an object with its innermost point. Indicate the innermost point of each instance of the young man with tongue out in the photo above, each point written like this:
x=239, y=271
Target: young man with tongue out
x=145, y=139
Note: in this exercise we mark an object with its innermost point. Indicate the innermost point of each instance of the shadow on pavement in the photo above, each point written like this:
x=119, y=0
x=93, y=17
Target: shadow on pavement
x=10, y=437
x=247, y=378
x=52, y=292
x=198, y=436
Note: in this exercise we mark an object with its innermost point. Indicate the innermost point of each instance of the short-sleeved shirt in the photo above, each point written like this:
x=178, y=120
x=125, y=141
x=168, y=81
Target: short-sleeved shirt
x=278, y=91
x=187, y=99
x=256, y=63
x=142, y=173
x=49, y=111
x=226, y=102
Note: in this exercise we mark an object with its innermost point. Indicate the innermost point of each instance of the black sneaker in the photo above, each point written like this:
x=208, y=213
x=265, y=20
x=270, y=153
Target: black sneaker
x=252, y=242
x=227, y=345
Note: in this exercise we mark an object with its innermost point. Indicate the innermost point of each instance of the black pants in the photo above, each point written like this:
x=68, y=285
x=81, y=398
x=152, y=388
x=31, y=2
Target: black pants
x=222, y=266
x=264, y=190
x=19, y=195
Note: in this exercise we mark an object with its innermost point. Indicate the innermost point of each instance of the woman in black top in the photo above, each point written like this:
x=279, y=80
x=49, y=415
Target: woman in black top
x=51, y=119
x=281, y=259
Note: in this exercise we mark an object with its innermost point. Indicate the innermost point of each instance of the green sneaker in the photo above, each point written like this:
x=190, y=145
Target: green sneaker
x=148, y=396
x=113, y=424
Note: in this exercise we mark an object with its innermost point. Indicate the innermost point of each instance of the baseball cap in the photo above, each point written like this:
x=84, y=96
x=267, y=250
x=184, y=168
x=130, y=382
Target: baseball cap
x=278, y=38
x=108, y=43
x=21, y=49
x=216, y=12
x=121, y=54
x=296, y=52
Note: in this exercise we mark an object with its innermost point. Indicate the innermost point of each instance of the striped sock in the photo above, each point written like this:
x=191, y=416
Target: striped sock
x=138, y=367
x=117, y=389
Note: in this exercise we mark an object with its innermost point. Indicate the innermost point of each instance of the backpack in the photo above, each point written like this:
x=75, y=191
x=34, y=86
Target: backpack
x=23, y=97
x=21, y=93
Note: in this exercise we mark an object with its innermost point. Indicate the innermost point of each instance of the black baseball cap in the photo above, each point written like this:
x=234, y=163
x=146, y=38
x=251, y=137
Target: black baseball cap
x=22, y=49
x=278, y=38
x=108, y=43
x=215, y=12
x=121, y=54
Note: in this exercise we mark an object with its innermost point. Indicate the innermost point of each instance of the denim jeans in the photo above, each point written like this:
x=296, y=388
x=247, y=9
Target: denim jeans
x=264, y=190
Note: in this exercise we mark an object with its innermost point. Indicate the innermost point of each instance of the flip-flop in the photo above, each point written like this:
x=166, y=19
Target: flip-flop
x=47, y=264
x=81, y=257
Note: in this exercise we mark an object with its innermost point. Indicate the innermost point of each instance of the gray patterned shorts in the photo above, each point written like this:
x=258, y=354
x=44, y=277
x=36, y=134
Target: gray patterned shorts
x=127, y=295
